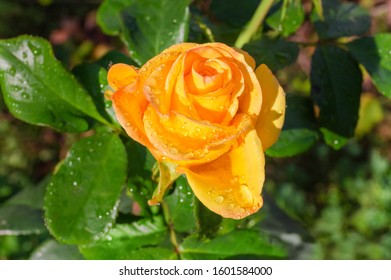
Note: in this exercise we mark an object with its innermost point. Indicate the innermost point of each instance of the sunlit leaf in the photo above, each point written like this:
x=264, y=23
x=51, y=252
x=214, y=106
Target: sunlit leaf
x=82, y=197
x=37, y=89
x=292, y=142
x=375, y=54
x=288, y=22
x=125, y=240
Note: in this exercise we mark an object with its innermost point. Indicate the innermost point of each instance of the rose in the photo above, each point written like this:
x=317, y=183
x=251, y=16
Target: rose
x=203, y=110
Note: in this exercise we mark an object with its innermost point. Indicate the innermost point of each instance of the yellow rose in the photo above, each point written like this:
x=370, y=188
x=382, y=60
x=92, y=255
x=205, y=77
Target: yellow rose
x=203, y=110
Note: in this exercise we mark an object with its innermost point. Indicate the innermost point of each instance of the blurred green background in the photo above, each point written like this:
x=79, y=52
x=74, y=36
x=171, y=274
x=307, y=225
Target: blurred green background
x=330, y=204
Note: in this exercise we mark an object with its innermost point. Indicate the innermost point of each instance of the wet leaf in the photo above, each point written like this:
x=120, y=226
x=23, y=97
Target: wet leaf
x=147, y=27
x=82, y=197
x=37, y=89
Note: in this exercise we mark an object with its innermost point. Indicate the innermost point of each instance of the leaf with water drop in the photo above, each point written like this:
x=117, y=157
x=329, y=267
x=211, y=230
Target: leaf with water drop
x=147, y=27
x=82, y=197
x=94, y=79
x=336, y=89
x=288, y=18
x=140, y=174
x=37, y=89
x=181, y=206
x=375, y=54
x=125, y=241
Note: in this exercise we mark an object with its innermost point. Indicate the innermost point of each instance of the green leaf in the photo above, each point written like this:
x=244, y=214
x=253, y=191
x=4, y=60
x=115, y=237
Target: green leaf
x=293, y=142
x=181, y=206
x=333, y=139
x=336, y=88
x=231, y=13
x=140, y=181
x=249, y=243
x=32, y=197
x=370, y=114
x=37, y=89
x=375, y=54
x=52, y=250
x=26, y=203
x=94, y=79
x=124, y=240
x=208, y=222
x=275, y=53
x=340, y=20
x=287, y=19
x=147, y=27
x=299, y=112
x=21, y=220
x=82, y=197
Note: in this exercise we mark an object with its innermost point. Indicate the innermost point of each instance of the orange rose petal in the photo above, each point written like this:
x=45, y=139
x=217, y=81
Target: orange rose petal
x=121, y=75
x=271, y=117
x=231, y=185
x=184, y=140
x=251, y=100
x=157, y=87
x=129, y=107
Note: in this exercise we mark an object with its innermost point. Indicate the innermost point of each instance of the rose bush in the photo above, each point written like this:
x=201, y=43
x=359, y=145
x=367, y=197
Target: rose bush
x=203, y=110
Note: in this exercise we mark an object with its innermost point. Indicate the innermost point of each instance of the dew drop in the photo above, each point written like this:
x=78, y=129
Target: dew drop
x=147, y=90
x=244, y=195
x=336, y=142
x=219, y=199
x=174, y=21
x=75, y=183
x=100, y=216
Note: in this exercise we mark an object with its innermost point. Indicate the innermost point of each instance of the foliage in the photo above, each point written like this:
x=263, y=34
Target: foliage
x=91, y=199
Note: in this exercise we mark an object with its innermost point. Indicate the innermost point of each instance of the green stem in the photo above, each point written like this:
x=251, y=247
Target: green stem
x=170, y=225
x=253, y=25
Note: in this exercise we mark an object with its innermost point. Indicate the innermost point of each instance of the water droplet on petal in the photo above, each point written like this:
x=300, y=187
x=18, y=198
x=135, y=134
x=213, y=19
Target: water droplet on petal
x=219, y=199
x=245, y=196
